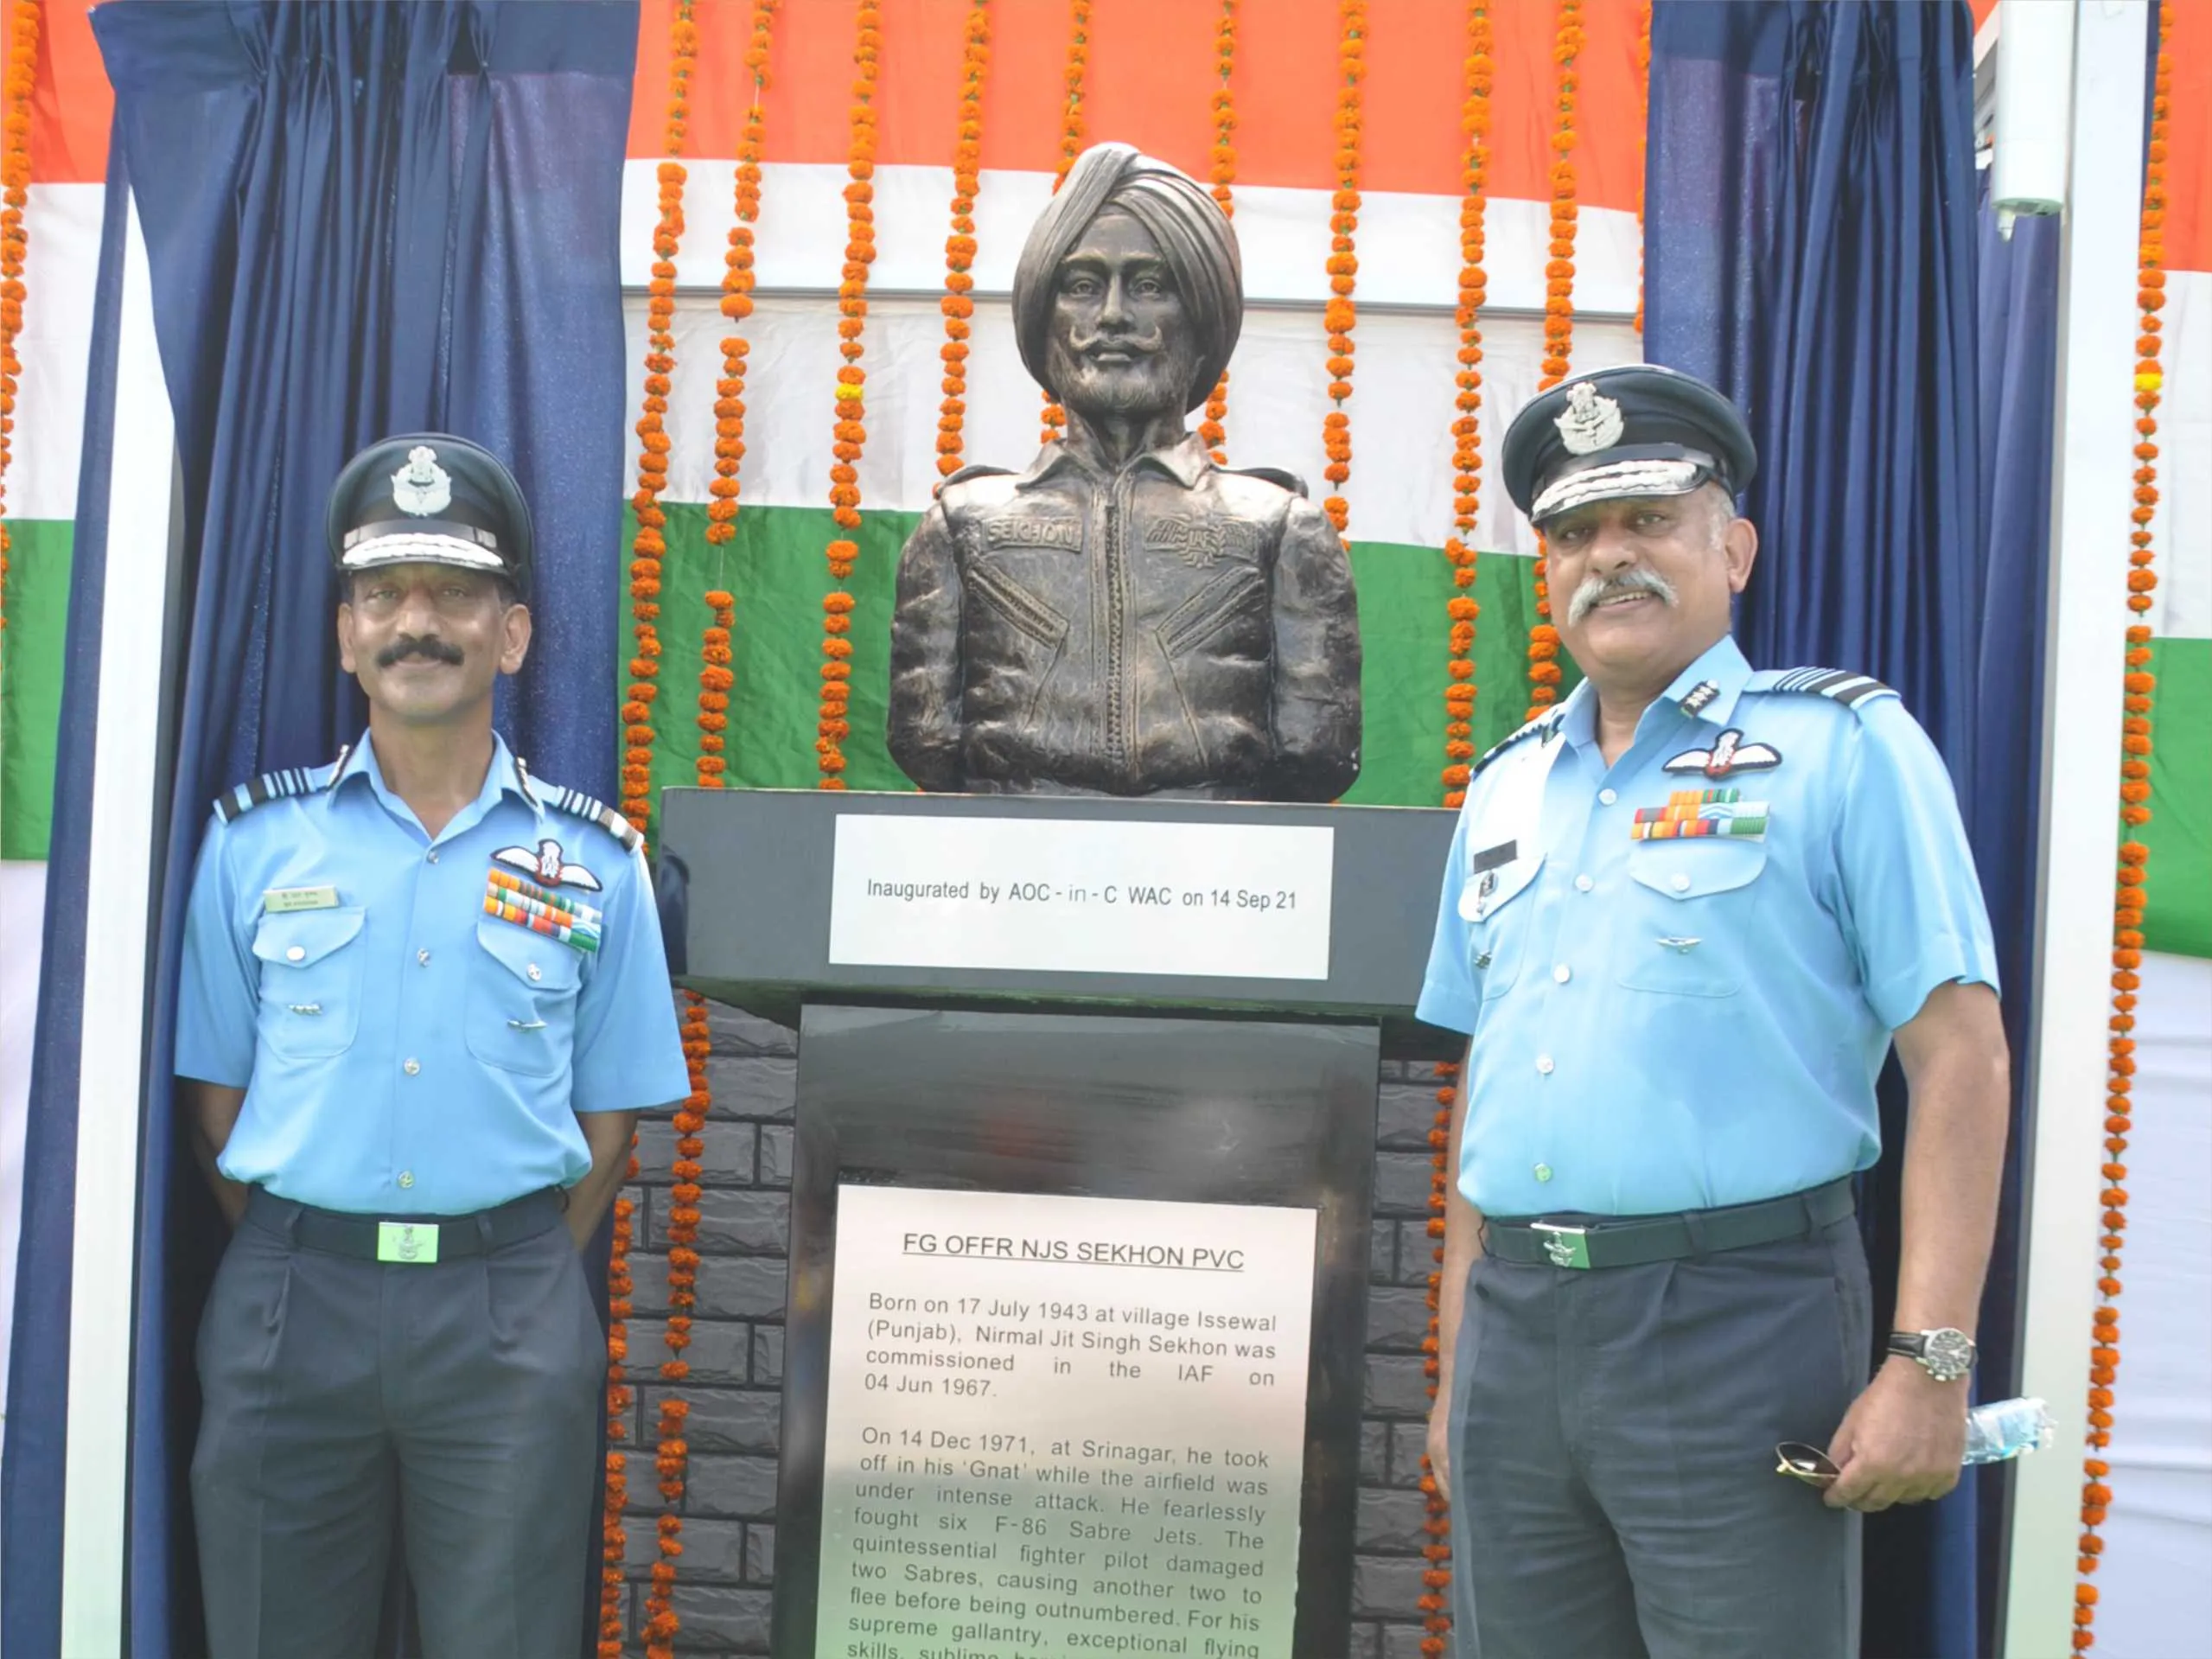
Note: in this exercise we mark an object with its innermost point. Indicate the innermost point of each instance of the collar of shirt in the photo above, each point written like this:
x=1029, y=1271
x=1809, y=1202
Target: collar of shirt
x=1186, y=462
x=1707, y=690
x=503, y=777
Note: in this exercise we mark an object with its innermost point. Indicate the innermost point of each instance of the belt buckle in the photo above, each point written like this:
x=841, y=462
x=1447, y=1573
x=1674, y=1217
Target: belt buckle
x=1567, y=1246
x=414, y=1243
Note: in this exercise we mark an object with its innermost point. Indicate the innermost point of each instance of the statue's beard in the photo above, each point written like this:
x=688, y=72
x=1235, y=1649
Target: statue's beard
x=1154, y=381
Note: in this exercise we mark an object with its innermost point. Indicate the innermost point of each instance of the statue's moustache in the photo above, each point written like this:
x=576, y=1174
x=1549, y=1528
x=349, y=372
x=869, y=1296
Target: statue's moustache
x=1145, y=345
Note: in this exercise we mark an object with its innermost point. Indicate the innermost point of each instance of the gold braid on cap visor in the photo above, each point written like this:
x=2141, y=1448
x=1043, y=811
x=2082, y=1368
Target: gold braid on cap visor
x=476, y=550
x=1618, y=479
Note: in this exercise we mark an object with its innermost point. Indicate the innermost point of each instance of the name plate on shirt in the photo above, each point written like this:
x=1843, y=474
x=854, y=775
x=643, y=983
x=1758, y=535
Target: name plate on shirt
x=1233, y=901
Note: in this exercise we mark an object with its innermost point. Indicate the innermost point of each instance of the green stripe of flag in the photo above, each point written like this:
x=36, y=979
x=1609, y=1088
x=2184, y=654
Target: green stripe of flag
x=775, y=569
x=31, y=655
x=2178, y=917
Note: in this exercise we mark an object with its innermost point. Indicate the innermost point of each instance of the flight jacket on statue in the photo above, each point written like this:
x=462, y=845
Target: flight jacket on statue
x=1178, y=628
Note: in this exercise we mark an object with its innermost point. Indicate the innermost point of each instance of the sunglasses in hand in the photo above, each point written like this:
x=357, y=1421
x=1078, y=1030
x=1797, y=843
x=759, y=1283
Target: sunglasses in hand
x=1806, y=1463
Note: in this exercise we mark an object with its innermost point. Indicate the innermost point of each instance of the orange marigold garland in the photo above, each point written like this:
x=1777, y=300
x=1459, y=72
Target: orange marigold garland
x=1211, y=431
x=1466, y=436
x=1075, y=130
x=646, y=550
x=650, y=544
x=2129, y=893
x=959, y=244
x=15, y=243
x=1435, y=1601
x=671, y=1454
x=737, y=298
x=1558, y=325
x=832, y=728
x=613, y=1544
x=1339, y=316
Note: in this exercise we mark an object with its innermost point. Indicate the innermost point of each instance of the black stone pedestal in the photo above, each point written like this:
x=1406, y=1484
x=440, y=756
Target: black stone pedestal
x=1205, y=1111
x=1166, y=1085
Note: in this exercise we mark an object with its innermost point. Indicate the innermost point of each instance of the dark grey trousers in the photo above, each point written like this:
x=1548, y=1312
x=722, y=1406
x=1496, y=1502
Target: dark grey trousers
x=462, y=1397
x=1613, y=1493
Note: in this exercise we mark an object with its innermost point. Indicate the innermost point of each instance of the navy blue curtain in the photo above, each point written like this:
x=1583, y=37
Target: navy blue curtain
x=1811, y=248
x=2018, y=318
x=361, y=217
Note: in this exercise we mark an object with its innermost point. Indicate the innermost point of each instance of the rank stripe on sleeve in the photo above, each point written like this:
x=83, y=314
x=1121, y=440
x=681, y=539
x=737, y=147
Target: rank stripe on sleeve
x=580, y=805
x=1837, y=685
x=236, y=801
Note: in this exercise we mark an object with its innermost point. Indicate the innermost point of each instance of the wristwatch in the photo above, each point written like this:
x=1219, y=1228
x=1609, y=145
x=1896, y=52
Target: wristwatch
x=1945, y=1354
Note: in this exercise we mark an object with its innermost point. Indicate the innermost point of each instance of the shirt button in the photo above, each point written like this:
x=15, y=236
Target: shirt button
x=406, y=1178
x=1563, y=974
x=431, y=855
x=1544, y=1064
x=1607, y=797
x=297, y=954
x=411, y=1067
x=423, y=957
x=534, y=973
x=1543, y=1171
x=1680, y=884
x=1583, y=883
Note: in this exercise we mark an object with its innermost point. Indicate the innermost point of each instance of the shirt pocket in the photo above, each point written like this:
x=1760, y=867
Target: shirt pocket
x=310, y=981
x=1498, y=911
x=522, y=1000
x=1690, y=924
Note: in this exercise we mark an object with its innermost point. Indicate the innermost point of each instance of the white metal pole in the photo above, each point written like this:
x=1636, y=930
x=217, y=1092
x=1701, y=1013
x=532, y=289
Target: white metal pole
x=2083, y=659
x=111, y=1061
x=2035, y=75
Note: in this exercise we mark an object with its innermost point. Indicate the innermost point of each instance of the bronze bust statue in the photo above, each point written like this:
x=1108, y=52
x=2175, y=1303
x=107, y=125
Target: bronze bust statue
x=1124, y=617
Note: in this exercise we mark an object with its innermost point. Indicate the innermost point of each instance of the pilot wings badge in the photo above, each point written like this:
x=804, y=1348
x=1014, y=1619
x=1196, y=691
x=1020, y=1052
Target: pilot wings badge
x=1729, y=753
x=546, y=865
x=1589, y=423
x=422, y=487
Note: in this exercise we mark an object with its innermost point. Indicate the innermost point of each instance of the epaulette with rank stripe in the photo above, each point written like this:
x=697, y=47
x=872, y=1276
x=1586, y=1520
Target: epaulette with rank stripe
x=973, y=469
x=580, y=805
x=243, y=798
x=1837, y=685
x=1546, y=723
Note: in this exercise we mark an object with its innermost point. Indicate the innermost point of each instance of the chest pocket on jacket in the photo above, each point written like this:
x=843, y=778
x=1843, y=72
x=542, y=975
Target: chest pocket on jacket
x=1499, y=911
x=522, y=1000
x=310, y=981
x=1237, y=596
x=1690, y=928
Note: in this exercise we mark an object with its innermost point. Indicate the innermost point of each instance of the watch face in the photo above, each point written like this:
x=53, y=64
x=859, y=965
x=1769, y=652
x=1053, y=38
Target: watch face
x=1948, y=1355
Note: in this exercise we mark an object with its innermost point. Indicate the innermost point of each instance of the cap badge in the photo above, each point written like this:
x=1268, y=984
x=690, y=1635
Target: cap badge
x=1590, y=422
x=422, y=487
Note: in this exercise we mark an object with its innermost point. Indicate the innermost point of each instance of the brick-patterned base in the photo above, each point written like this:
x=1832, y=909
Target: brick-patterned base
x=736, y=1355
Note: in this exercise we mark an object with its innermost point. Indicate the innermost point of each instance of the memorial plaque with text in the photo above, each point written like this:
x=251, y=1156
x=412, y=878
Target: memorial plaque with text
x=1088, y=896
x=1063, y=1426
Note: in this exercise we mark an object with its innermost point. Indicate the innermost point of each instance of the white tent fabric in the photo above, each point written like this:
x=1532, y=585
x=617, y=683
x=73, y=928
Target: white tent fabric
x=2155, y=1585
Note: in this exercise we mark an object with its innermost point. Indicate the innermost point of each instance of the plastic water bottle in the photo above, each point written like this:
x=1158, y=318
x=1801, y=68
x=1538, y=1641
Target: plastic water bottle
x=2004, y=1429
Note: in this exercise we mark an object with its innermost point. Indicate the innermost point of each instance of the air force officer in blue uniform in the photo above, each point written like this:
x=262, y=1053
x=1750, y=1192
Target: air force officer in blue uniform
x=1685, y=915
x=423, y=999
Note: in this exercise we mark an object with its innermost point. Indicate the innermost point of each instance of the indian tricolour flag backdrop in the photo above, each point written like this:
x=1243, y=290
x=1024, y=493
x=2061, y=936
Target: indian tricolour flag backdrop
x=1150, y=79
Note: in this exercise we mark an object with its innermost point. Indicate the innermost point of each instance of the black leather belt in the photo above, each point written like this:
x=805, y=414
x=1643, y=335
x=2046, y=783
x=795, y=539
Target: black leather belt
x=1573, y=1241
x=409, y=1239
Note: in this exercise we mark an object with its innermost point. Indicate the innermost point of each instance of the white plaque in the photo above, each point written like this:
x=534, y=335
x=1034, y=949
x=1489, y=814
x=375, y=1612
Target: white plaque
x=1063, y=1426
x=1243, y=901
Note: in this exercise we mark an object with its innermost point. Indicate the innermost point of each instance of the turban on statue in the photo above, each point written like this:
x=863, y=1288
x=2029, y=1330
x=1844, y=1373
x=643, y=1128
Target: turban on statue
x=1193, y=234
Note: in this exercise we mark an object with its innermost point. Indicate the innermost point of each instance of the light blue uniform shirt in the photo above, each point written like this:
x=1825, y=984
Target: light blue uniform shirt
x=402, y=1051
x=1676, y=1023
